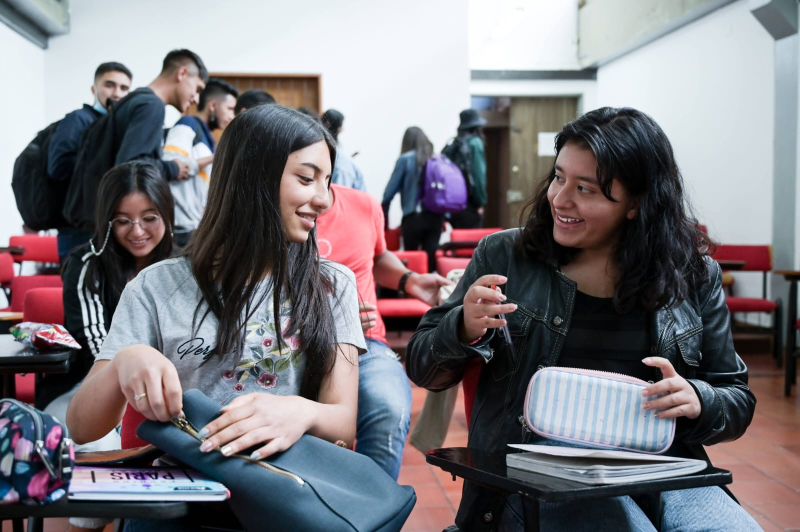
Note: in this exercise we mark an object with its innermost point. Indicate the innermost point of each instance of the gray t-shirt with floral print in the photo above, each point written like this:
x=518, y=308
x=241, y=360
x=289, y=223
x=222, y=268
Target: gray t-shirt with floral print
x=157, y=308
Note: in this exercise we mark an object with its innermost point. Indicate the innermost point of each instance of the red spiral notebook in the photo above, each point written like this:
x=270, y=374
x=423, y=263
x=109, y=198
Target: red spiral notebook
x=143, y=484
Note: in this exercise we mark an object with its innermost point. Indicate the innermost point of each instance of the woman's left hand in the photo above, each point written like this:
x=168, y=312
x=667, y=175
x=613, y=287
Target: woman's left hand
x=681, y=399
x=254, y=419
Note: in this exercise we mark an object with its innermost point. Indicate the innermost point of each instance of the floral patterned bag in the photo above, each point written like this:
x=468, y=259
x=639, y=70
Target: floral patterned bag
x=36, y=455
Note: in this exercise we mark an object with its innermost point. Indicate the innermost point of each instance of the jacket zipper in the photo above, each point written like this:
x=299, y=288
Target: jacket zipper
x=38, y=432
x=186, y=426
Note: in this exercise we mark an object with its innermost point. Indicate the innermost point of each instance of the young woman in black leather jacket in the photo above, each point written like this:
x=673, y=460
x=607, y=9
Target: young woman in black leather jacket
x=609, y=272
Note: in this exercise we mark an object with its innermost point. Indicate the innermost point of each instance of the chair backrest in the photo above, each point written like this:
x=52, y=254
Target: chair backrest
x=445, y=264
x=472, y=235
x=44, y=305
x=756, y=258
x=392, y=238
x=24, y=283
x=37, y=248
x=130, y=422
x=416, y=261
x=6, y=268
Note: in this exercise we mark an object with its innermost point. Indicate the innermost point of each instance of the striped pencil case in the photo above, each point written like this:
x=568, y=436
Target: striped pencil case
x=595, y=409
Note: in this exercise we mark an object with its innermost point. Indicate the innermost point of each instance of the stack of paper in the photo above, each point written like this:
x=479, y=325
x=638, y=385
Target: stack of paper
x=143, y=484
x=595, y=466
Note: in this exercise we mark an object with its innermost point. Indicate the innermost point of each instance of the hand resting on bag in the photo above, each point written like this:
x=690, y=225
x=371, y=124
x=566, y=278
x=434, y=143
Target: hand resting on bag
x=681, y=399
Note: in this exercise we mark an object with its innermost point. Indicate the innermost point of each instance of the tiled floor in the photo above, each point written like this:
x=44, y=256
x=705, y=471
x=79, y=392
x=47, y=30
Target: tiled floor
x=765, y=462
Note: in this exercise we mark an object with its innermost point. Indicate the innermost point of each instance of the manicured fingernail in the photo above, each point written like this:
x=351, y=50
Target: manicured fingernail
x=255, y=455
x=207, y=446
x=226, y=450
x=203, y=433
x=513, y=306
x=645, y=393
x=659, y=415
x=503, y=279
x=646, y=360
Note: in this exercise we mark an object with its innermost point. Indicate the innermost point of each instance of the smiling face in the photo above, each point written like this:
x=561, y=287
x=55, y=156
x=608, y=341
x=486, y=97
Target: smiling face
x=139, y=239
x=583, y=217
x=305, y=190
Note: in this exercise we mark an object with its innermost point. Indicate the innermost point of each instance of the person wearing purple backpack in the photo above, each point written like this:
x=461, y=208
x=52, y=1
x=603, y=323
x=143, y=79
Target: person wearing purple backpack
x=421, y=228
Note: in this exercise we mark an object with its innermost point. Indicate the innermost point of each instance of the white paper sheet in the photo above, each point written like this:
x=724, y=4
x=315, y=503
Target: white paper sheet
x=595, y=453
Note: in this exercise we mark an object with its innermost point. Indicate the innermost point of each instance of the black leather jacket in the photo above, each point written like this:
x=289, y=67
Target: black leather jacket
x=695, y=336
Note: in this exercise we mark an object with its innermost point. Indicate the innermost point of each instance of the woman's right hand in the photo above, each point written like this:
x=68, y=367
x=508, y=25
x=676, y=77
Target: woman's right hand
x=481, y=305
x=147, y=374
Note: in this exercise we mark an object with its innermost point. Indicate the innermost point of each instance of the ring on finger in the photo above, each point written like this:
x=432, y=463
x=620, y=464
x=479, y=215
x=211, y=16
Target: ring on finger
x=139, y=396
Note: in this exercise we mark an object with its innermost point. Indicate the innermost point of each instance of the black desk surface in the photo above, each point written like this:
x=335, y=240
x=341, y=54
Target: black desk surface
x=491, y=471
x=17, y=358
x=114, y=509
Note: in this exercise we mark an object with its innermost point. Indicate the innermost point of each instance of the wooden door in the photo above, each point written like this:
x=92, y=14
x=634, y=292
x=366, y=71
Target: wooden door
x=290, y=90
x=527, y=118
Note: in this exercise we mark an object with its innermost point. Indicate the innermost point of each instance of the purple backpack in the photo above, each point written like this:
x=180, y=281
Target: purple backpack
x=444, y=188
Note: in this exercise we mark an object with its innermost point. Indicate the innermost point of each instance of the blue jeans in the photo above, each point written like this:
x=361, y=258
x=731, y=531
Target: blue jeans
x=384, y=407
x=691, y=510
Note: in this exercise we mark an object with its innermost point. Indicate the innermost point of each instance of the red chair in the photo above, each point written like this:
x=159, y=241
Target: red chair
x=37, y=248
x=469, y=382
x=470, y=235
x=445, y=264
x=392, y=238
x=41, y=305
x=754, y=259
x=24, y=283
x=130, y=422
x=6, y=274
x=406, y=311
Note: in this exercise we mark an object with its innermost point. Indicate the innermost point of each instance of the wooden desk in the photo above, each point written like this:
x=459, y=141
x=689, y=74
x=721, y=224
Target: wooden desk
x=731, y=264
x=491, y=471
x=792, y=276
x=16, y=358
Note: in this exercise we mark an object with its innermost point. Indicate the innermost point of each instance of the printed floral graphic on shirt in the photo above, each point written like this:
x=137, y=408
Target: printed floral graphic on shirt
x=262, y=360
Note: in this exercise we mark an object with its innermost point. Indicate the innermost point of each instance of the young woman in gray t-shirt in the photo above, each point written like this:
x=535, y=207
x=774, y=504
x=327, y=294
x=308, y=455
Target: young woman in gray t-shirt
x=250, y=315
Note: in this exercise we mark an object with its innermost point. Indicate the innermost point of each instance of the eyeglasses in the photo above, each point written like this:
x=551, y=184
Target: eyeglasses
x=146, y=222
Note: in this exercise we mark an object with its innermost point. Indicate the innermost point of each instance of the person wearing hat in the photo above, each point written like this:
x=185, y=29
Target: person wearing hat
x=467, y=152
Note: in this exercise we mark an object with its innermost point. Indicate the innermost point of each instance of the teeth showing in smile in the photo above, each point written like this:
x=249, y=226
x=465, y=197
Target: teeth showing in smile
x=308, y=217
x=138, y=241
x=569, y=220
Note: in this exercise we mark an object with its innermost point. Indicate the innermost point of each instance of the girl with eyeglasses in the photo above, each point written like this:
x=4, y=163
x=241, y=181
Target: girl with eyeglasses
x=134, y=217
x=250, y=314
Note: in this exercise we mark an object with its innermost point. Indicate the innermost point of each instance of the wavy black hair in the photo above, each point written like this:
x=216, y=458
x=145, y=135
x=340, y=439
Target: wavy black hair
x=660, y=252
x=241, y=240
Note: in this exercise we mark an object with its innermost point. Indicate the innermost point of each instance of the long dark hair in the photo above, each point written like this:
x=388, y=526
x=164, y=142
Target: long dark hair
x=241, y=240
x=415, y=139
x=109, y=270
x=660, y=252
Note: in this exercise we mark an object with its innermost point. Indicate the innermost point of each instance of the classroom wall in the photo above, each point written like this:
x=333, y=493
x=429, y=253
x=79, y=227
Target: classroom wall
x=386, y=66
x=710, y=85
x=22, y=95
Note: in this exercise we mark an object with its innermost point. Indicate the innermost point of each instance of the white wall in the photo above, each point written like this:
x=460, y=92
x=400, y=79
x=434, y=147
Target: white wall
x=523, y=35
x=386, y=66
x=710, y=85
x=23, y=116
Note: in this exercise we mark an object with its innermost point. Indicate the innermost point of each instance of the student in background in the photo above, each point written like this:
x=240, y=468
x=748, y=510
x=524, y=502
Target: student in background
x=351, y=233
x=112, y=81
x=345, y=172
x=252, y=98
x=280, y=326
x=134, y=130
x=190, y=140
x=421, y=228
x=610, y=272
x=467, y=151
x=134, y=221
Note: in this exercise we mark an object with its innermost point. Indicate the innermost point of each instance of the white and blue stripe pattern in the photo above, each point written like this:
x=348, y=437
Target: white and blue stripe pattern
x=595, y=409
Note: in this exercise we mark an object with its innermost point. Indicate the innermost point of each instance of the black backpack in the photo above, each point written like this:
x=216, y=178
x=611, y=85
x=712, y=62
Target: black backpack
x=459, y=152
x=96, y=156
x=39, y=198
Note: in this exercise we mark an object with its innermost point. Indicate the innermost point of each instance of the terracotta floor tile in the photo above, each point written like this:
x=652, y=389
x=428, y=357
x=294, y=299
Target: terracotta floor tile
x=784, y=515
x=431, y=495
x=790, y=477
x=745, y=473
x=772, y=461
x=720, y=457
x=767, y=525
x=416, y=475
x=765, y=491
x=440, y=517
